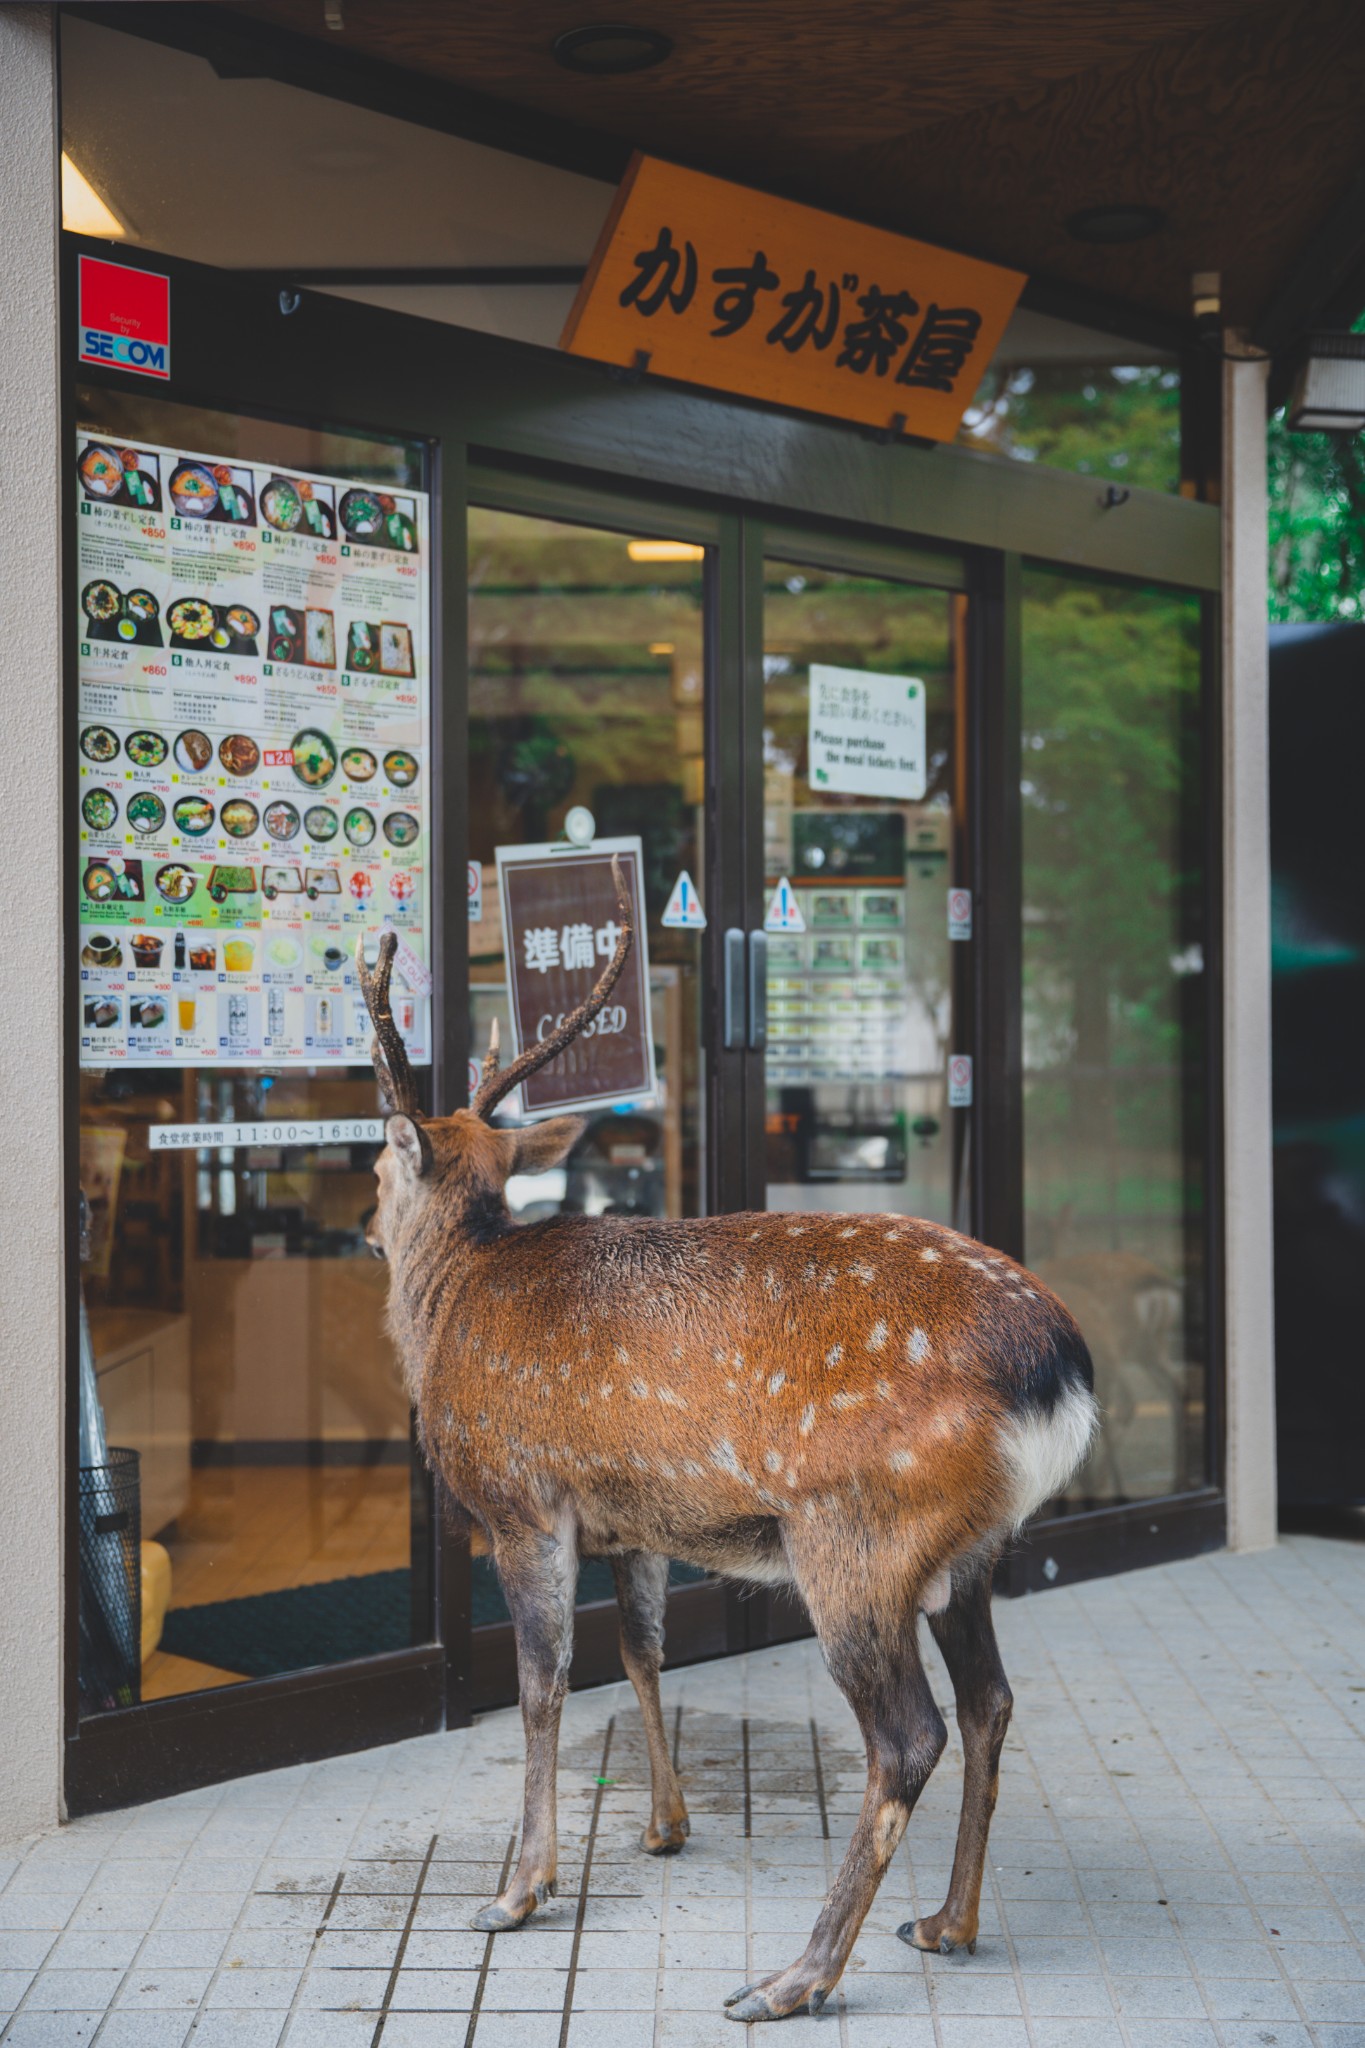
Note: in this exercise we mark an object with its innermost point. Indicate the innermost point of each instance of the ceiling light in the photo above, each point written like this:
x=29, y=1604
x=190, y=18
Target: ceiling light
x=1328, y=395
x=611, y=49
x=664, y=551
x=661, y=647
x=83, y=211
x=1115, y=223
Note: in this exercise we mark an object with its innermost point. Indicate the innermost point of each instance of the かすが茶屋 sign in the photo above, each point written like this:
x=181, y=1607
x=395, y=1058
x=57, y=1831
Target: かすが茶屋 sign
x=730, y=288
x=560, y=926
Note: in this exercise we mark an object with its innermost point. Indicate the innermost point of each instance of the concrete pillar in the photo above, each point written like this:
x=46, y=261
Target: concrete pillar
x=31, y=1316
x=1250, y=1298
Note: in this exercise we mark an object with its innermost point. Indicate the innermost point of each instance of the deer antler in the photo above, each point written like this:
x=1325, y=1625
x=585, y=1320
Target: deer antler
x=494, y=1084
x=397, y=1087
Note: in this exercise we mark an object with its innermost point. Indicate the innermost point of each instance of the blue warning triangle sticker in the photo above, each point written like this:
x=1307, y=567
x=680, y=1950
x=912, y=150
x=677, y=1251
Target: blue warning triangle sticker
x=784, y=914
x=683, y=911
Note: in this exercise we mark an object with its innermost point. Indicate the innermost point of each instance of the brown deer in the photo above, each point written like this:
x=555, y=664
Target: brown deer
x=863, y=1407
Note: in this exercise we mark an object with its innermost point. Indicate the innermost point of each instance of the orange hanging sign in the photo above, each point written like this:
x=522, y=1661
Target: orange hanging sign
x=712, y=284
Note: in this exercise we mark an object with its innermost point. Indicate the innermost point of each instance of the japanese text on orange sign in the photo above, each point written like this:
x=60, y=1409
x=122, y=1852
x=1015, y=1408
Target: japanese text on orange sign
x=717, y=285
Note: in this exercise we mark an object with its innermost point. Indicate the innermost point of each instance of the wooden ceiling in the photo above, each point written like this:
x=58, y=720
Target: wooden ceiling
x=979, y=124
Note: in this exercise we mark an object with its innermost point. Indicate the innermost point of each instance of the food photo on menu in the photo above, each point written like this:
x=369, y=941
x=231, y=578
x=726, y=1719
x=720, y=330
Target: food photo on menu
x=219, y=491
x=377, y=519
x=300, y=505
x=197, y=625
x=132, y=617
x=127, y=477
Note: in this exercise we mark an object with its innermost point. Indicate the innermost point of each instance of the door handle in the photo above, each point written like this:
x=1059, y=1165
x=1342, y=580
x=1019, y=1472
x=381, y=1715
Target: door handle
x=758, y=991
x=732, y=1027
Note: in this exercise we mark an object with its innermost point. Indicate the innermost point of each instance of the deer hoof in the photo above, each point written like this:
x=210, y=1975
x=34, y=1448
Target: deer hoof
x=496, y=1919
x=922, y=1934
x=665, y=1840
x=769, y=2000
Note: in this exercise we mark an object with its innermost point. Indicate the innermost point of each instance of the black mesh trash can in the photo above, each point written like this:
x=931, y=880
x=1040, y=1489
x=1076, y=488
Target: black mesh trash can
x=111, y=1583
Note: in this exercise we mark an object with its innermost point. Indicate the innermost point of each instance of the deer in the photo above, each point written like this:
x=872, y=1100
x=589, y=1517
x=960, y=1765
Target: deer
x=865, y=1408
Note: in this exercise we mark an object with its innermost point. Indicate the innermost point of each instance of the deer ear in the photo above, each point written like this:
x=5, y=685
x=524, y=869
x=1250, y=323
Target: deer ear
x=409, y=1144
x=538, y=1147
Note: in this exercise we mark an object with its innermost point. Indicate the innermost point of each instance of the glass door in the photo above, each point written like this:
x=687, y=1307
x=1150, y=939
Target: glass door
x=866, y=905
x=253, y=774
x=588, y=726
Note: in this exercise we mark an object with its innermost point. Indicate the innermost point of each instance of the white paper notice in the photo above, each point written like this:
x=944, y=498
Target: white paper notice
x=867, y=734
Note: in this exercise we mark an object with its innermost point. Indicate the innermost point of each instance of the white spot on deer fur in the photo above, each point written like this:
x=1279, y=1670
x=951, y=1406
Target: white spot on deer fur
x=666, y=1469
x=876, y=1337
x=810, y=1510
x=849, y=1233
x=860, y=1270
x=833, y=1356
x=930, y=1257
x=978, y=1264
x=1044, y=1452
x=1030, y=1293
x=640, y=1464
x=606, y=1390
x=777, y=1383
x=917, y=1346
x=772, y=1285
x=732, y=1386
x=724, y=1459
x=901, y=1461
x=669, y=1398
x=808, y=1418
x=847, y=1400
x=692, y=1469
x=796, y=1230
x=894, y=1236
x=582, y=1400
x=829, y=1276
x=564, y=1368
x=639, y=1390
x=883, y=1390
x=773, y=1460
x=936, y=1594
x=753, y=1234
x=622, y=1355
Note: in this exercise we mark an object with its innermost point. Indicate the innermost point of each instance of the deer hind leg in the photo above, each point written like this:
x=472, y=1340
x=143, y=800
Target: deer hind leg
x=865, y=1615
x=641, y=1591
x=539, y=1573
x=964, y=1634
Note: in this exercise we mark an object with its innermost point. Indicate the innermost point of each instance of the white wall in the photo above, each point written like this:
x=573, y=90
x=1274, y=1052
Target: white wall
x=30, y=935
x=1250, y=1308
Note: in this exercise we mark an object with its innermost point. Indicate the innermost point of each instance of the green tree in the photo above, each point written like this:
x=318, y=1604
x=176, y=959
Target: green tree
x=1317, y=524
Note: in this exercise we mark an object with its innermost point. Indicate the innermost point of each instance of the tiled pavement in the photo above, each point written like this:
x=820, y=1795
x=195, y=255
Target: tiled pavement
x=1177, y=1860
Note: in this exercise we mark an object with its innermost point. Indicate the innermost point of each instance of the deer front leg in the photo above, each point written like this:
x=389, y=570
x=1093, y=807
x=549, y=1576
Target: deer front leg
x=539, y=1573
x=966, y=1636
x=641, y=1593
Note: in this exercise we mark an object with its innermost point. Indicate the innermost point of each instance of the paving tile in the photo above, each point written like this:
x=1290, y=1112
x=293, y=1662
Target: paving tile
x=31, y=2029
x=335, y=2030
x=145, y=2029
x=150, y=1988
x=610, y=2030
x=73, y=1990
x=236, y=2028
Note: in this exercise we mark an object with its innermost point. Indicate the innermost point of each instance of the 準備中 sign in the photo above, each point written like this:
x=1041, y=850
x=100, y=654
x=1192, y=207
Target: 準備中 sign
x=560, y=927
x=730, y=288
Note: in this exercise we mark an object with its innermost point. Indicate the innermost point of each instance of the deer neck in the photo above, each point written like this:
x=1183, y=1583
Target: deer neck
x=431, y=1261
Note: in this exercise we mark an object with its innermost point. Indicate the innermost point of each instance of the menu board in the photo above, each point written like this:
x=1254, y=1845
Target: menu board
x=254, y=748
